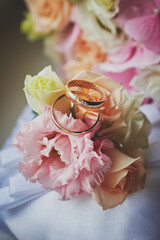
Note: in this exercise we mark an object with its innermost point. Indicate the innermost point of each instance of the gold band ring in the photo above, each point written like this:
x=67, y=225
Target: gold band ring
x=70, y=131
x=73, y=88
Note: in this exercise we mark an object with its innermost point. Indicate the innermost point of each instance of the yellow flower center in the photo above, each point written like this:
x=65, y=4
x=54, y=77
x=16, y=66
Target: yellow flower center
x=108, y=3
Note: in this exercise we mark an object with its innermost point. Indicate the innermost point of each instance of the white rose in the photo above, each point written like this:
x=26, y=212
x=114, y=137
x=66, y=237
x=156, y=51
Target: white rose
x=132, y=128
x=138, y=126
x=102, y=30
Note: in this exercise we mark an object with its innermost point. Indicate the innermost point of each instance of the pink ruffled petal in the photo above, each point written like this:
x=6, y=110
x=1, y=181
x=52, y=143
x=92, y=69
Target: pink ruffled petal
x=89, y=182
x=28, y=170
x=61, y=144
x=58, y=177
x=69, y=122
x=70, y=190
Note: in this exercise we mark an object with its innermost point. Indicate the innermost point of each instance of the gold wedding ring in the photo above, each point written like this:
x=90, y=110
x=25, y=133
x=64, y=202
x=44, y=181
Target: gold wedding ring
x=53, y=114
x=86, y=94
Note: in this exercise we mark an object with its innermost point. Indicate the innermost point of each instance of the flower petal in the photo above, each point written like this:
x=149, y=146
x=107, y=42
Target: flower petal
x=146, y=30
x=120, y=160
x=108, y=199
x=137, y=57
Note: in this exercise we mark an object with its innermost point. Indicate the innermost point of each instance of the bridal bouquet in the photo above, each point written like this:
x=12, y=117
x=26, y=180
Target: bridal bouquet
x=87, y=137
x=116, y=38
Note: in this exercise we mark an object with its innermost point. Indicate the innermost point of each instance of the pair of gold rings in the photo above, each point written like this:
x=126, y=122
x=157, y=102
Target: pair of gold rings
x=85, y=94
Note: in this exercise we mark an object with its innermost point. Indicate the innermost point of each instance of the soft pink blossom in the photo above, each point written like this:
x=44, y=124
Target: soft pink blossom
x=80, y=52
x=68, y=40
x=132, y=55
x=63, y=162
x=123, y=78
x=75, y=45
x=141, y=21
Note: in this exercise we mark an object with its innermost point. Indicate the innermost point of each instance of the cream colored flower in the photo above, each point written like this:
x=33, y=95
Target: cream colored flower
x=132, y=128
x=49, y=15
x=138, y=126
x=127, y=175
x=148, y=81
x=101, y=29
x=42, y=89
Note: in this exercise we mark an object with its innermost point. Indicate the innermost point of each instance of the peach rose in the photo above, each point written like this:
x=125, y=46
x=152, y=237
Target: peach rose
x=49, y=15
x=127, y=175
x=85, y=54
x=87, y=51
x=121, y=119
x=72, y=67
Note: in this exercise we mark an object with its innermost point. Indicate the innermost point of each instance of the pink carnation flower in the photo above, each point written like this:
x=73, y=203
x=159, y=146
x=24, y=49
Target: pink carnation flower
x=63, y=162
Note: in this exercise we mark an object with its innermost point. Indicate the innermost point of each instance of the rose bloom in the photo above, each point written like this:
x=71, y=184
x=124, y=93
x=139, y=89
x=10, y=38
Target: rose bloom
x=59, y=161
x=49, y=15
x=42, y=89
x=121, y=120
x=101, y=29
x=84, y=54
x=127, y=175
x=86, y=50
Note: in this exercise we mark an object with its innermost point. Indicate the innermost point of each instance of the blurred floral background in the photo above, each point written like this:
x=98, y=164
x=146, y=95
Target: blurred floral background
x=18, y=57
